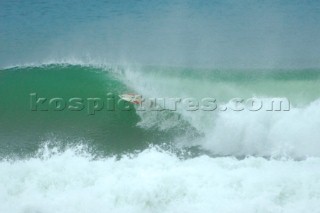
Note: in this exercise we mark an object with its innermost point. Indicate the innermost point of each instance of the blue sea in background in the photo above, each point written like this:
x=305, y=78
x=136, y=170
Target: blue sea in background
x=219, y=34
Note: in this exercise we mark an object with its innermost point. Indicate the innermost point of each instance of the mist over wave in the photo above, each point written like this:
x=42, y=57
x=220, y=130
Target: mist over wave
x=290, y=133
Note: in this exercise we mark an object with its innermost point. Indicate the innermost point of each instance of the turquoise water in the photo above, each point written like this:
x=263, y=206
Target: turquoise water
x=74, y=153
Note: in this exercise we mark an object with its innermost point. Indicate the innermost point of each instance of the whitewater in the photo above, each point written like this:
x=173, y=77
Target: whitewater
x=157, y=181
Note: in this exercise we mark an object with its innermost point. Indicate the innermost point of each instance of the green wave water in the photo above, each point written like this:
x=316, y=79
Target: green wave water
x=107, y=132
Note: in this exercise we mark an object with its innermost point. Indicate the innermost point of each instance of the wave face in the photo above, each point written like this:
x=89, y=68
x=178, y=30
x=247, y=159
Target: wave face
x=155, y=161
x=110, y=130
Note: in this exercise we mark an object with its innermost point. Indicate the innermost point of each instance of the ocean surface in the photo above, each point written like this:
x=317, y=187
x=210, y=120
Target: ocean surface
x=69, y=144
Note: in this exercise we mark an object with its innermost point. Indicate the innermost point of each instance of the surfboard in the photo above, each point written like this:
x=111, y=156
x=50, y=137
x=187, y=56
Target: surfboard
x=133, y=98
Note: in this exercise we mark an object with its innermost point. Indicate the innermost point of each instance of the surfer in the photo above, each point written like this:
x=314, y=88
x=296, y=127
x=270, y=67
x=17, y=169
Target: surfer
x=133, y=98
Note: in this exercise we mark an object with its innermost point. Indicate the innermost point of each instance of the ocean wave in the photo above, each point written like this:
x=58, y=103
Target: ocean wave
x=290, y=133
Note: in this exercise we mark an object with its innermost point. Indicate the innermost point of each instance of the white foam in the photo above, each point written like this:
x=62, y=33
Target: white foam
x=293, y=133
x=156, y=181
